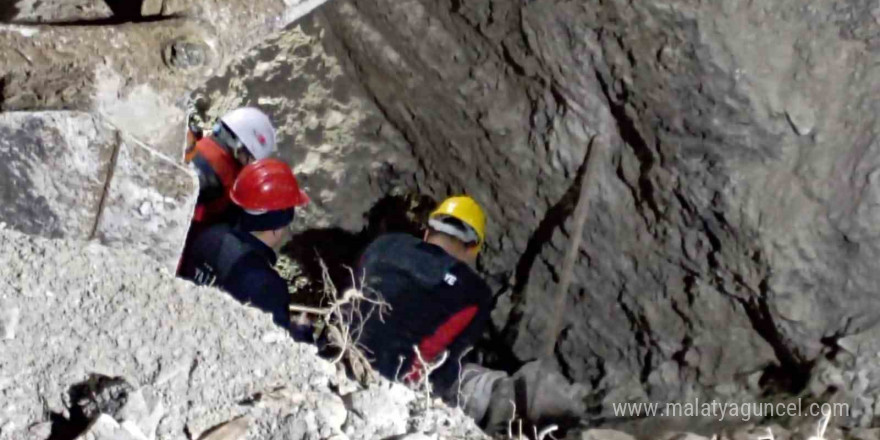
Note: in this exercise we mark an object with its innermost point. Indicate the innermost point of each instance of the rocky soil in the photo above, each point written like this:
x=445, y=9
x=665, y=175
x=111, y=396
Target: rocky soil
x=193, y=358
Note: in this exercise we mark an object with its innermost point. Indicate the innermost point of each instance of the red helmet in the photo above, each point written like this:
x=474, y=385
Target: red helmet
x=267, y=185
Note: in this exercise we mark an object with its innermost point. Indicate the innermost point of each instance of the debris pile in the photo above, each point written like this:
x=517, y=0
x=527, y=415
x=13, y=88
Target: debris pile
x=108, y=342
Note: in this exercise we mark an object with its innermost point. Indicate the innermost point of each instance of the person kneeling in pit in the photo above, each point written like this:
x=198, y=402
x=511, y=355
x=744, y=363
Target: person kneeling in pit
x=439, y=304
x=240, y=258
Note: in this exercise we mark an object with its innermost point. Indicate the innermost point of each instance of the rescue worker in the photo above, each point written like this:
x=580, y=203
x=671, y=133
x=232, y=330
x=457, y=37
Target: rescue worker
x=438, y=302
x=239, y=258
x=240, y=137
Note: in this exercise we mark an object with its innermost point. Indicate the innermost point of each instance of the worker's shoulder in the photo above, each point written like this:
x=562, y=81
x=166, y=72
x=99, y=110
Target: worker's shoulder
x=392, y=241
x=209, y=154
x=463, y=275
x=253, y=268
x=211, y=237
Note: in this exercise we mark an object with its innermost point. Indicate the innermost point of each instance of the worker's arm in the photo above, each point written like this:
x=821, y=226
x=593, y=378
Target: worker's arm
x=461, y=330
x=444, y=377
x=255, y=283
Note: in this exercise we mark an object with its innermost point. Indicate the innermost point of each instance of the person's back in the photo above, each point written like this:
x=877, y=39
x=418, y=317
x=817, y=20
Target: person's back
x=438, y=303
x=240, y=264
x=240, y=258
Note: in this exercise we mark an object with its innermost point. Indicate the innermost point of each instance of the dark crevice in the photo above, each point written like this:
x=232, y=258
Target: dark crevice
x=66, y=429
x=340, y=249
x=97, y=395
x=3, y=81
x=792, y=373
x=642, y=330
x=600, y=373
x=679, y=356
x=508, y=58
x=832, y=344
x=109, y=21
x=647, y=366
x=125, y=9
x=8, y=10
x=564, y=366
x=676, y=307
x=630, y=134
x=553, y=219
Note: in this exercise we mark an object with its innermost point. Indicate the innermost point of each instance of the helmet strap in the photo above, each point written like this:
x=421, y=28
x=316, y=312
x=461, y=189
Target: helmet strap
x=454, y=228
x=226, y=138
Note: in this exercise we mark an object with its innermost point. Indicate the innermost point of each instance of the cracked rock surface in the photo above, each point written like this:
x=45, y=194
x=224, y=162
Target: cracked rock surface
x=346, y=155
x=68, y=174
x=732, y=239
x=188, y=359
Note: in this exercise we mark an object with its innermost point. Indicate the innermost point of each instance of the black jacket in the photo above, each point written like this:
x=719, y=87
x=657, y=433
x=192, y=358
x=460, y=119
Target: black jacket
x=240, y=264
x=426, y=288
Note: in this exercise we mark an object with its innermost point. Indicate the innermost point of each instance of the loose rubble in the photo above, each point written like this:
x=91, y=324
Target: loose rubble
x=158, y=357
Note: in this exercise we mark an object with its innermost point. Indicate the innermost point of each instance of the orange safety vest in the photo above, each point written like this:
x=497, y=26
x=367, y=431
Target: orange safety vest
x=225, y=167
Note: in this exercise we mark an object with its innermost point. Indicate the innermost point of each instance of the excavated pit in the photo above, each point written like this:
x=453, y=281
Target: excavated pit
x=731, y=246
x=719, y=220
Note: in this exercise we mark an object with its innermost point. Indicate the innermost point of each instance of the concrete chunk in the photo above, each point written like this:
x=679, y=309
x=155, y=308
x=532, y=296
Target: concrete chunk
x=148, y=205
x=53, y=166
x=72, y=175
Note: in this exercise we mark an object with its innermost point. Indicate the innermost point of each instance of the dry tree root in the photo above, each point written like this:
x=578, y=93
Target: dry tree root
x=458, y=403
x=426, y=369
x=344, y=318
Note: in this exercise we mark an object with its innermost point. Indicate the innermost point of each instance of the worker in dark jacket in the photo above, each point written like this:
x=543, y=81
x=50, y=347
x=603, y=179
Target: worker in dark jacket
x=239, y=258
x=438, y=303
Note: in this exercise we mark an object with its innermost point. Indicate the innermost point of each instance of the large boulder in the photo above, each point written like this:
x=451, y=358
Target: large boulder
x=731, y=237
x=131, y=62
x=345, y=153
x=71, y=174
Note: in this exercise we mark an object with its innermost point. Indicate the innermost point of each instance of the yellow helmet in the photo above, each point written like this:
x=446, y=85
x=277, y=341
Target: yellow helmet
x=465, y=209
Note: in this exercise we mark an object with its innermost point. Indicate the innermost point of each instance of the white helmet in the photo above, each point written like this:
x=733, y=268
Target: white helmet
x=254, y=129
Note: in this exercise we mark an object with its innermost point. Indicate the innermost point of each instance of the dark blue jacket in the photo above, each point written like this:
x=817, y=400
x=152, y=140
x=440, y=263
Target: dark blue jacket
x=437, y=303
x=240, y=264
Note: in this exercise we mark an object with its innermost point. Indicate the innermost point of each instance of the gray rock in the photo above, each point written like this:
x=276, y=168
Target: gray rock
x=148, y=204
x=118, y=71
x=292, y=428
x=71, y=174
x=9, y=317
x=198, y=352
x=384, y=409
x=54, y=168
x=605, y=434
x=105, y=427
x=345, y=154
x=732, y=222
